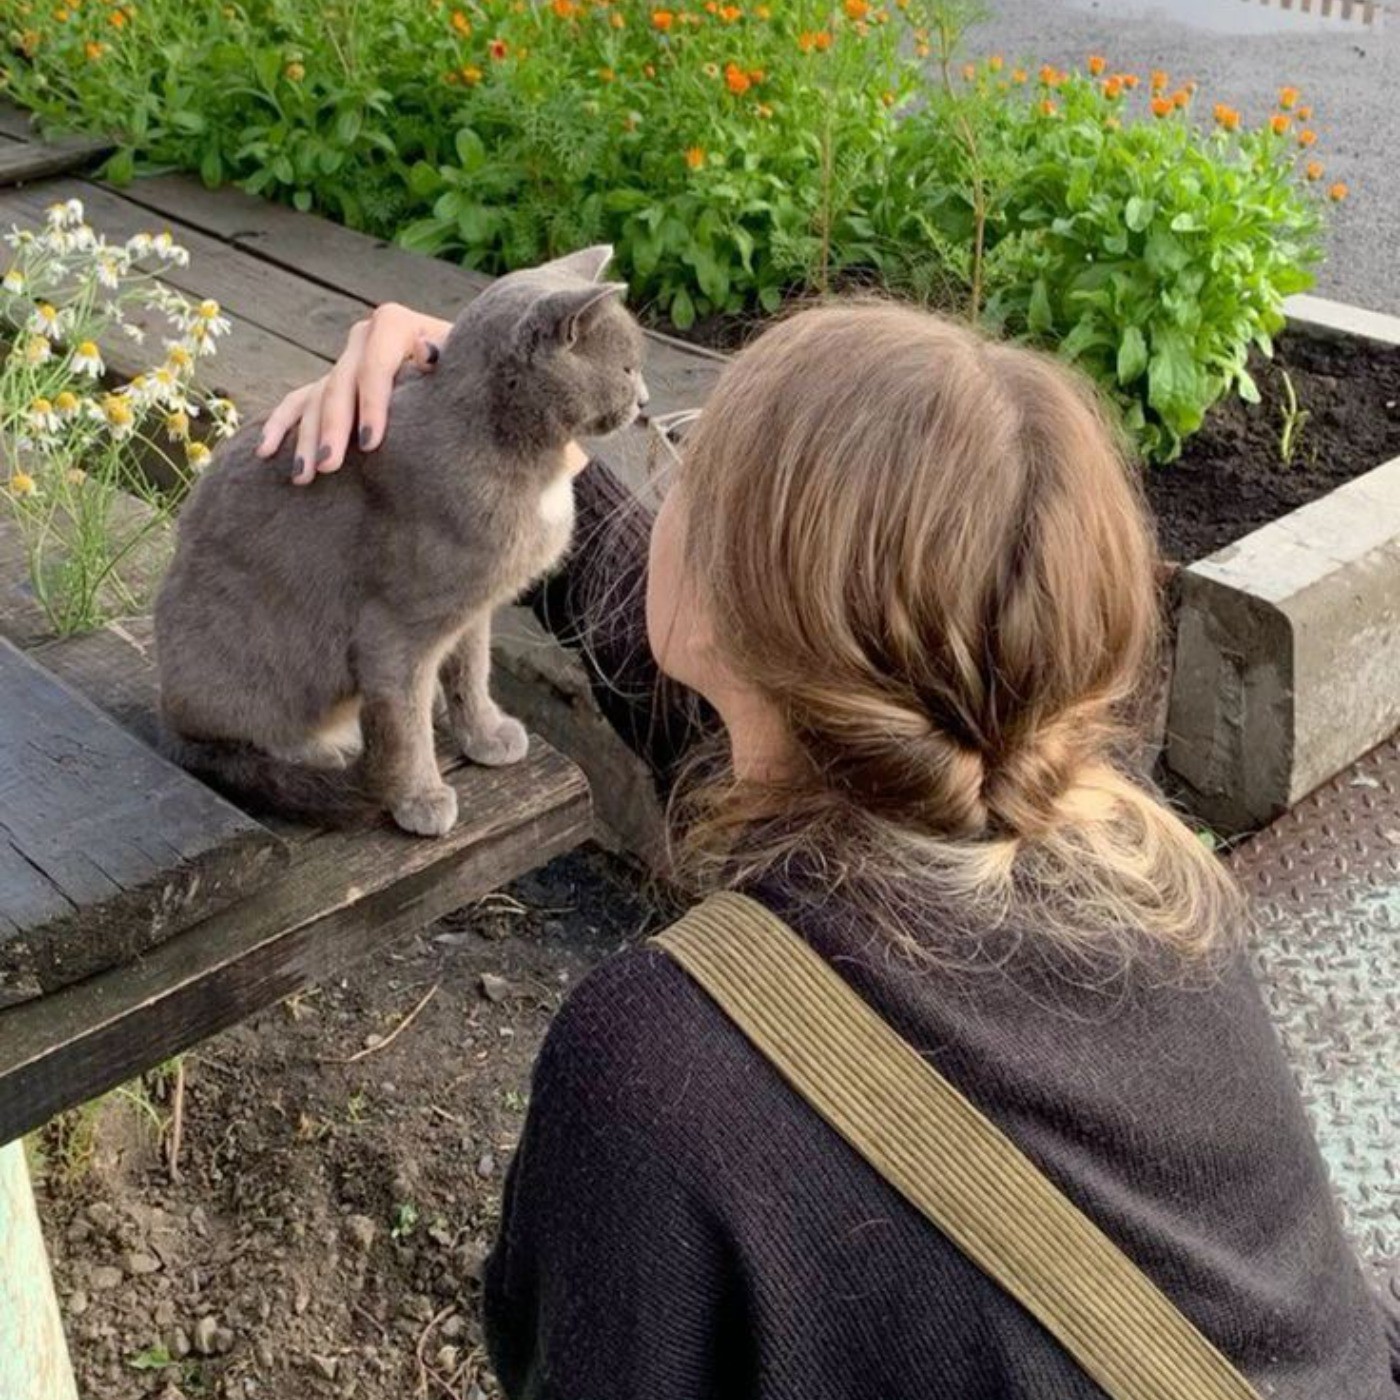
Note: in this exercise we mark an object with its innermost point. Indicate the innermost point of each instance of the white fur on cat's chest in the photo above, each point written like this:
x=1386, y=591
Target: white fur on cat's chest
x=557, y=501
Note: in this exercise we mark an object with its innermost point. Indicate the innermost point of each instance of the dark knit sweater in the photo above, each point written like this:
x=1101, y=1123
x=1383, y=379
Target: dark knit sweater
x=678, y=1224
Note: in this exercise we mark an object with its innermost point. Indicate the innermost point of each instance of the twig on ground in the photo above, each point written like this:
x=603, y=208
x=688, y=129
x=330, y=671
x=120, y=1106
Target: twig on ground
x=391, y=1037
x=177, y=1124
x=426, y=1372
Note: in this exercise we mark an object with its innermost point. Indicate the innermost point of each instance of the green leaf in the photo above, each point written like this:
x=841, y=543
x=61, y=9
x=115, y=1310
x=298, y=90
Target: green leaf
x=121, y=168
x=302, y=201
x=770, y=298
x=1039, y=317
x=152, y=1359
x=348, y=122
x=1249, y=390
x=1138, y=212
x=682, y=311
x=471, y=153
x=211, y=168
x=1132, y=355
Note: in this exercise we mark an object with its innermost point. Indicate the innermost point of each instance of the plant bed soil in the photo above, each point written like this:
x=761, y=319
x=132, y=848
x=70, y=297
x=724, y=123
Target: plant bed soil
x=1231, y=479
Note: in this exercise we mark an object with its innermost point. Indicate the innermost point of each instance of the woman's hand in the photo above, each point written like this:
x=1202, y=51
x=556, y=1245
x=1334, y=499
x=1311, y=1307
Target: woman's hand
x=356, y=390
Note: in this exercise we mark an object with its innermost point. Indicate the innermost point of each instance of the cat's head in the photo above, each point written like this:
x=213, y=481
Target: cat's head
x=562, y=353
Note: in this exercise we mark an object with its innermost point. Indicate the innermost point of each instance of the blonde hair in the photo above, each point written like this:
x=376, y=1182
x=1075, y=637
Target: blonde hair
x=926, y=550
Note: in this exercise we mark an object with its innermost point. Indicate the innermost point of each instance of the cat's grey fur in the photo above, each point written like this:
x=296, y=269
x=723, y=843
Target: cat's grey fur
x=301, y=631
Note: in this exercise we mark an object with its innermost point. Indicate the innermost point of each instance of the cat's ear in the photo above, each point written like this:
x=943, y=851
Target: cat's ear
x=587, y=263
x=560, y=318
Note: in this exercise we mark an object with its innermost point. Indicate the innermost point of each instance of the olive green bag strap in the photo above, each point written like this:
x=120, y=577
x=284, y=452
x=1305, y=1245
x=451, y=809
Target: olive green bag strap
x=945, y=1158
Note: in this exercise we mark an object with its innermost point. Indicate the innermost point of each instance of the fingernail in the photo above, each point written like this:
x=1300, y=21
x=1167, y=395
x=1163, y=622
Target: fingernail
x=298, y=468
x=324, y=453
x=365, y=436
x=433, y=353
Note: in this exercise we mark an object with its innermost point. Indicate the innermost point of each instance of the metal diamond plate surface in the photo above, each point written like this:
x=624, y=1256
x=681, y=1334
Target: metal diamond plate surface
x=1326, y=886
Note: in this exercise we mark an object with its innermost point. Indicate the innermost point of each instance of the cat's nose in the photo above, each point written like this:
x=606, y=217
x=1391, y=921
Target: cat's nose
x=643, y=398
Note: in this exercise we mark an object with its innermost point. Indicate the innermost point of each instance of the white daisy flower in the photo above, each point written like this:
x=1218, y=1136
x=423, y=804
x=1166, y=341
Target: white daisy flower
x=177, y=425
x=67, y=404
x=82, y=239
x=109, y=272
x=198, y=455
x=56, y=215
x=43, y=418
x=139, y=245
x=37, y=350
x=211, y=314
x=118, y=414
x=74, y=210
x=13, y=281
x=135, y=333
x=47, y=320
x=87, y=359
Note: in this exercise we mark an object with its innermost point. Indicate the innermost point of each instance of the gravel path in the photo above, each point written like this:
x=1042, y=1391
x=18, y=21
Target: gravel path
x=1346, y=71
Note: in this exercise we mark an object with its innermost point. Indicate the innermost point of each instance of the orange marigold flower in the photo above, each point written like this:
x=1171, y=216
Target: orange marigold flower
x=729, y=13
x=1338, y=192
x=649, y=70
x=117, y=19
x=1160, y=80
x=736, y=80
x=498, y=49
x=1019, y=76
x=1181, y=98
x=461, y=23
x=1048, y=108
x=996, y=63
x=763, y=12
x=1050, y=75
x=887, y=98
x=1279, y=123
x=1227, y=117
x=94, y=50
x=295, y=72
x=922, y=50
x=1314, y=170
x=857, y=9
x=616, y=20
x=471, y=75
x=823, y=40
x=756, y=75
x=970, y=72
x=1304, y=114
x=1113, y=87
x=1288, y=98
x=662, y=20
x=1307, y=138
x=606, y=75
x=1163, y=107
x=565, y=9
x=695, y=157
x=712, y=7
x=1098, y=64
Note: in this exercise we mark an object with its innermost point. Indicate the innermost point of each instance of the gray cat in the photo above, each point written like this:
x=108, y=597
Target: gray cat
x=301, y=632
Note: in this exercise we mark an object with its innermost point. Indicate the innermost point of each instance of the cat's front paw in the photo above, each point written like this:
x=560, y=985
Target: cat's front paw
x=506, y=742
x=430, y=813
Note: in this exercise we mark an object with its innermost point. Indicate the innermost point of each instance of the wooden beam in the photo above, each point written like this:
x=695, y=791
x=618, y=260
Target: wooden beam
x=22, y=162
x=105, y=848
x=343, y=898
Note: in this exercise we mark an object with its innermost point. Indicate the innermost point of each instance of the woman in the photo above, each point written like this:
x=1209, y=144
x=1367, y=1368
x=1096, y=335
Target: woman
x=910, y=574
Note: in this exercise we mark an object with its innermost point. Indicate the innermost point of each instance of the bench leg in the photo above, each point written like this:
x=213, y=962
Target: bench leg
x=34, y=1361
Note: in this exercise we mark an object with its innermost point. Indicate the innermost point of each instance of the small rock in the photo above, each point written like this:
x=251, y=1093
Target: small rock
x=324, y=1366
x=493, y=988
x=371, y=1040
x=139, y=1262
x=164, y=1314
x=79, y=1231
x=264, y=1355
x=223, y=1341
x=486, y=1166
x=101, y=1215
x=199, y=1222
x=301, y=1300
x=447, y=1359
x=105, y=1277
x=474, y=1262
x=205, y=1331
x=179, y=1343
x=77, y=1303
x=361, y=1230
x=453, y=1327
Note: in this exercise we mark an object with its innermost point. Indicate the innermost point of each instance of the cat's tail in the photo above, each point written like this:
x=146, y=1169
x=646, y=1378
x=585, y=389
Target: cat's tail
x=263, y=784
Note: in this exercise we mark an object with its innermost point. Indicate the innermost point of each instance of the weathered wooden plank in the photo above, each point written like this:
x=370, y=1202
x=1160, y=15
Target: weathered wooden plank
x=314, y=318
x=109, y=847
x=678, y=375
x=15, y=124
x=343, y=898
x=22, y=161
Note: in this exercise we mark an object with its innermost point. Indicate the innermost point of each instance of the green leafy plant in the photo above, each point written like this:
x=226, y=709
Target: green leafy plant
x=1295, y=418
x=734, y=154
x=76, y=449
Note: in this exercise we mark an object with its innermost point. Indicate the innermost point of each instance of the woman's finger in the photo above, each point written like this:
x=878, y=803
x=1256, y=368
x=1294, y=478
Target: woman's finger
x=425, y=352
x=308, y=442
x=380, y=363
x=337, y=407
x=285, y=417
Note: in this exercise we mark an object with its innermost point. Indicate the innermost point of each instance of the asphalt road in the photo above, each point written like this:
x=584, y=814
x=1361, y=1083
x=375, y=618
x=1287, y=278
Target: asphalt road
x=1349, y=72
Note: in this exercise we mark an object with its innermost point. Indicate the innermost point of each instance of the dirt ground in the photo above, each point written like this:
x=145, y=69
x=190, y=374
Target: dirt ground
x=338, y=1189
